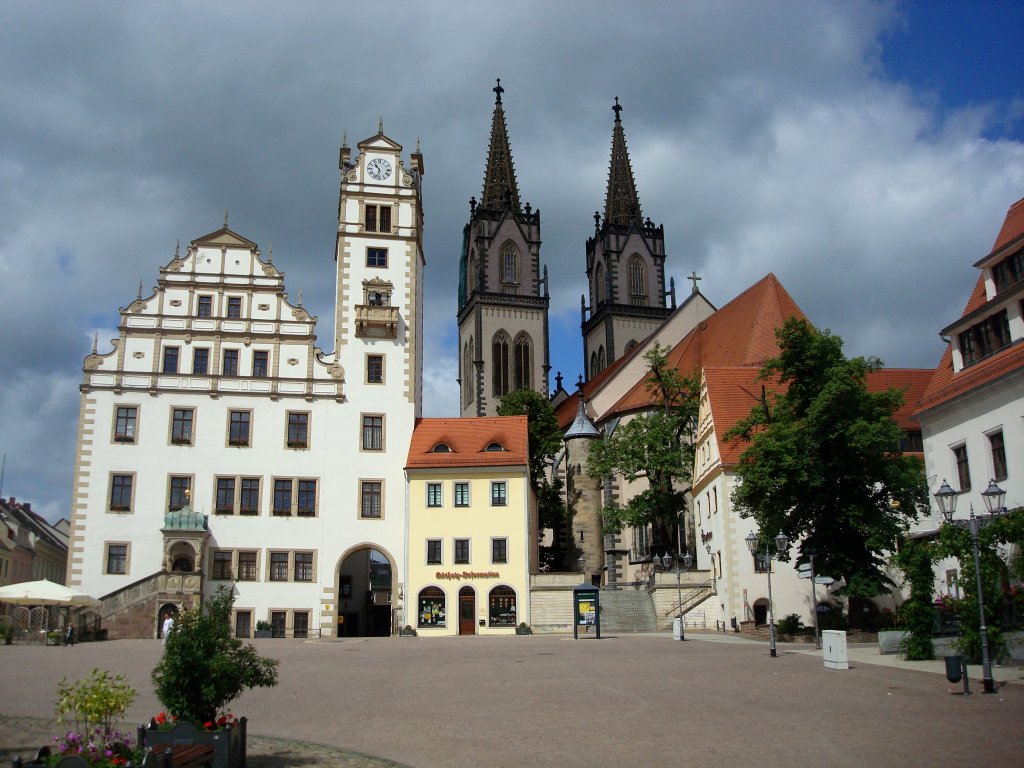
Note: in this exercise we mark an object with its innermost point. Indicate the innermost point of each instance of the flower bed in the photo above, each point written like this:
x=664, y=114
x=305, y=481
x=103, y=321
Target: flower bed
x=228, y=739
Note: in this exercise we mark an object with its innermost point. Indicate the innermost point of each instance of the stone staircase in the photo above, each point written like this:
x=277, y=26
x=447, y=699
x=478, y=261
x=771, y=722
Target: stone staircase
x=627, y=610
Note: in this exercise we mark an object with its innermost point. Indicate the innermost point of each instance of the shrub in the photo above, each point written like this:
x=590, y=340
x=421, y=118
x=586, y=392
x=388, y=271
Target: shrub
x=94, y=702
x=263, y=626
x=205, y=667
x=790, y=624
x=834, y=618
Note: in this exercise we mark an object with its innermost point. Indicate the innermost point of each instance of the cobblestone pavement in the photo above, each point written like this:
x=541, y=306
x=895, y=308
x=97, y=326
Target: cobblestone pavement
x=552, y=701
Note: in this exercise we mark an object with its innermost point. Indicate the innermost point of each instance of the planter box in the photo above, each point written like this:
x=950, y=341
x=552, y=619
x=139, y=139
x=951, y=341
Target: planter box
x=889, y=641
x=263, y=633
x=230, y=742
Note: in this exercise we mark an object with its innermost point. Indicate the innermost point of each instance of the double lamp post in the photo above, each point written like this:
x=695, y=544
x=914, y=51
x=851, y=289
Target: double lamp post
x=686, y=560
x=993, y=497
x=781, y=545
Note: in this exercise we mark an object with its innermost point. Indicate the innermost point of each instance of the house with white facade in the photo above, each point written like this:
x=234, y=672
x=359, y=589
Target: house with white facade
x=219, y=445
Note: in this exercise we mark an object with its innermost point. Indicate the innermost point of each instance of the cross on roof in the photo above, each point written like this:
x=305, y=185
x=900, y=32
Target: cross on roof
x=694, y=277
x=498, y=90
x=617, y=109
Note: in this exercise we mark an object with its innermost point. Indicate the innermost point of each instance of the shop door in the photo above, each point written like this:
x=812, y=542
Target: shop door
x=467, y=611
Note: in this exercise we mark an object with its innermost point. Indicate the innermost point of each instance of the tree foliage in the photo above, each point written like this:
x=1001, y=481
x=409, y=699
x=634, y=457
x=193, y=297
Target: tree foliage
x=653, y=446
x=916, y=559
x=204, y=666
x=820, y=464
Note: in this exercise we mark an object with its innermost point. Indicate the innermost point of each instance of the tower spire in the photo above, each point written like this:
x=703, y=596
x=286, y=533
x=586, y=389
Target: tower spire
x=500, y=190
x=621, y=204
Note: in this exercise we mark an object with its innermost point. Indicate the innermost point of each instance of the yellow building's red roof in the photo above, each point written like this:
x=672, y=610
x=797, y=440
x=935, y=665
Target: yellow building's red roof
x=467, y=441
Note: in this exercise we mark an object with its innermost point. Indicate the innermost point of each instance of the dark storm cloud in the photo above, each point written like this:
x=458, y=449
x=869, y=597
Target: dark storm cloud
x=765, y=136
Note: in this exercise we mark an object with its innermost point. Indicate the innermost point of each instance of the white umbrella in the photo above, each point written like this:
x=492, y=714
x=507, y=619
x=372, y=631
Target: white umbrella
x=45, y=592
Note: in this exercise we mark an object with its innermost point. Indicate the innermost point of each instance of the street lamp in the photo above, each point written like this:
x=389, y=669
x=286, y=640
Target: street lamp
x=993, y=497
x=665, y=562
x=781, y=544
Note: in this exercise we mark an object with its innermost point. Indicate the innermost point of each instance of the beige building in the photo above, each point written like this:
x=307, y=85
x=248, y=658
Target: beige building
x=472, y=539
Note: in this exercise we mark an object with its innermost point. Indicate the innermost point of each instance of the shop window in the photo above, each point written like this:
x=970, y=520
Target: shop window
x=431, y=607
x=502, y=607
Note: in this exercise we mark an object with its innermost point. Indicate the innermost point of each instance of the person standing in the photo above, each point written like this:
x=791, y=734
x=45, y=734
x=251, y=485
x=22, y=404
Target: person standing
x=69, y=635
x=167, y=627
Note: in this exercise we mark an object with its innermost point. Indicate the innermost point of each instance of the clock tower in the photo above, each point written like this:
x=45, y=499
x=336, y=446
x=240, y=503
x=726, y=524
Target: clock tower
x=625, y=268
x=378, y=327
x=503, y=291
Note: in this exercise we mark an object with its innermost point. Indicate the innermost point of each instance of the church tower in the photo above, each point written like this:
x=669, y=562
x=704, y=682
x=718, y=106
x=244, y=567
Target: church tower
x=625, y=268
x=378, y=328
x=503, y=294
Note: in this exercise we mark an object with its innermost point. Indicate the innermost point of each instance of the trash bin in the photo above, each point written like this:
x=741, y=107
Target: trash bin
x=677, y=628
x=954, y=668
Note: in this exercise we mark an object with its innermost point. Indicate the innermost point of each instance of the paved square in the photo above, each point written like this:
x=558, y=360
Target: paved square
x=547, y=701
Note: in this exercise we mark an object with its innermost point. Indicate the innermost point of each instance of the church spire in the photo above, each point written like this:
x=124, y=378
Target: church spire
x=621, y=204
x=500, y=190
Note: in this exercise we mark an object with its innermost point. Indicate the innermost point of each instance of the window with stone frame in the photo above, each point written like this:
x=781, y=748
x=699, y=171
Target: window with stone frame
x=298, y=429
x=229, y=365
x=300, y=624
x=461, y=494
x=181, y=425
x=125, y=422
x=170, y=361
x=180, y=492
x=200, y=361
x=260, y=363
x=509, y=258
x=278, y=623
x=121, y=492
x=377, y=218
x=239, y=423
x=375, y=369
x=433, y=551
x=963, y=467
x=499, y=493
x=305, y=498
x=499, y=550
x=371, y=493
x=279, y=566
x=234, y=307
x=249, y=498
x=998, y=448
x=377, y=257
x=204, y=306
x=434, y=495
x=303, y=566
x=117, y=559
x=637, y=280
x=373, y=432
x=225, y=501
x=222, y=564
x=282, y=497
x=522, y=362
x=460, y=551
x=247, y=566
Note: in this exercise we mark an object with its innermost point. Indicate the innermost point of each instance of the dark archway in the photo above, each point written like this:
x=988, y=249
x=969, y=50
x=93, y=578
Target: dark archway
x=365, y=587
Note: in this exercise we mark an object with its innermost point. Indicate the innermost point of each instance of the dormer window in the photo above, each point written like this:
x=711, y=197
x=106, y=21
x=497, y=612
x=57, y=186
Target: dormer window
x=1009, y=271
x=441, y=448
x=494, y=447
x=985, y=338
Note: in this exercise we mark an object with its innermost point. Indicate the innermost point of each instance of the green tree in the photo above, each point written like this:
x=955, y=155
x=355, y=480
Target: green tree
x=916, y=559
x=653, y=446
x=820, y=464
x=204, y=667
x=545, y=440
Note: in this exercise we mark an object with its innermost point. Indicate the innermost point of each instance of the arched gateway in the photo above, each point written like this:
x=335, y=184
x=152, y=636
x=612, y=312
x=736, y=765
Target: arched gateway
x=365, y=589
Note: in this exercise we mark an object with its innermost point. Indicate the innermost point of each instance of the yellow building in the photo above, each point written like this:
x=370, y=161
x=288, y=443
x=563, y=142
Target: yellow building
x=472, y=526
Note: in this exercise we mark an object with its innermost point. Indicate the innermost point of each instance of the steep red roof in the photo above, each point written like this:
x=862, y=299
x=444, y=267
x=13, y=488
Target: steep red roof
x=733, y=392
x=741, y=333
x=1013, y=225
x=467, y=440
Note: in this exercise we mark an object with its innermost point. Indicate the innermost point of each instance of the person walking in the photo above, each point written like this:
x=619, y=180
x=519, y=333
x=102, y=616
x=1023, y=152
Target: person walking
x=69, y=635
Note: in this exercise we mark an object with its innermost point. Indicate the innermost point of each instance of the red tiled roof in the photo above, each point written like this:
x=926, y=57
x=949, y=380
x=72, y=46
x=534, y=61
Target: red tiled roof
x=946, y=385
x=977, y=298
x=741, y=333
x=1013, y=225
x=733, y=392
x=468, y=440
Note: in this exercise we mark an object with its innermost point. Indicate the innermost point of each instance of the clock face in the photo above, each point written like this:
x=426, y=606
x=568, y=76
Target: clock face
x=378, y=168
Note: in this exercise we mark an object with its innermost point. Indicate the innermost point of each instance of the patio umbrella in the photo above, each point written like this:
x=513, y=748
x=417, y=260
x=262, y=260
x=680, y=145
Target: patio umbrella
x=45, y=592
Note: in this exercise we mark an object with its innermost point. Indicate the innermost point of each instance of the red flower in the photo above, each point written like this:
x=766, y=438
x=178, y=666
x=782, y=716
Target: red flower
x=208, y=725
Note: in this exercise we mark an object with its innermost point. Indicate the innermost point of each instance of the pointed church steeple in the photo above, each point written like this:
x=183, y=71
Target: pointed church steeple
x=621, y=203
x=500, y=190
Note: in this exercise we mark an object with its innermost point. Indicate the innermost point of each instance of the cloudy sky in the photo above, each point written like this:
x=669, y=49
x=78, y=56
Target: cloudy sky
x=864, y=152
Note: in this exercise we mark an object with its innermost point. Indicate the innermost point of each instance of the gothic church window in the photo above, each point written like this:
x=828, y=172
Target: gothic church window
x=599, y=286
x=521, y=361
x=601, y=363
x=509, y=255
x=637, y=280
x=500, y=361
x=468, y=379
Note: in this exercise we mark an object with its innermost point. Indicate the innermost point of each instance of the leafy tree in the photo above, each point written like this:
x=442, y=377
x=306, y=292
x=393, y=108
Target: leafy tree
x=204, y=666
x=545, y=440
x=820, y=464
x=916, y=558
x=653, y=446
